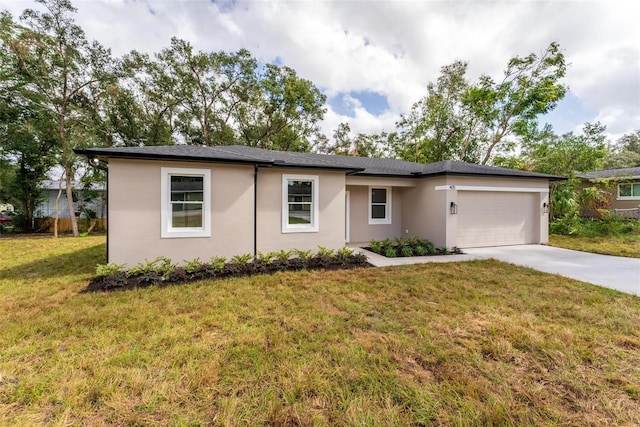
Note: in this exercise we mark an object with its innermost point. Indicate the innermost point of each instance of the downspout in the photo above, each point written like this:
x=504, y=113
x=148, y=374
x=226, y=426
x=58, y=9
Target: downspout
x=95, y=163
x=255, y=211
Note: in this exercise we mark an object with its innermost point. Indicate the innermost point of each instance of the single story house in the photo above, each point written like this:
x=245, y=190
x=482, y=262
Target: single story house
x=623, y=185
x=185, y=202
x=84, y=200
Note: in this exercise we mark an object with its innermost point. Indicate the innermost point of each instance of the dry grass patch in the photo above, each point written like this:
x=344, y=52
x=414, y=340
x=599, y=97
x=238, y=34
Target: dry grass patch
x=479, y=343
x=623, y=245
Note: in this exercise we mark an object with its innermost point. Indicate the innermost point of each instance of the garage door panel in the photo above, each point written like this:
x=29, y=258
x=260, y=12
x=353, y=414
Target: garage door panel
x=487, y=218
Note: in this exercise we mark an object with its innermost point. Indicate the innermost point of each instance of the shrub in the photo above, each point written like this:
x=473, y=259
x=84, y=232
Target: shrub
x=376, y=246
x=105, y=270
x=161, y=266
x=217, y=263
x=406, y=251
x=303, y=255
x=192, y=266
x=420, y=250
x=390, y=252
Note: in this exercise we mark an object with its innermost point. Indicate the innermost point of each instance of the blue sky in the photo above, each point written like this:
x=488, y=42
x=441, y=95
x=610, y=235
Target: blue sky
x=373, y=59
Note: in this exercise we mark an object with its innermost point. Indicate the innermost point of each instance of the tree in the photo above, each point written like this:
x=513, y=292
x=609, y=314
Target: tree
x=440, y=126
x=625, y=153
x=56, y=64
x=474, y=122
x=362, y=145
x=282, y=111
x=26, y=133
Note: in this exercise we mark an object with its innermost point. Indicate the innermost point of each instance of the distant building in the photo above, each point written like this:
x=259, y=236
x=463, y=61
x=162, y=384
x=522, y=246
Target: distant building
x=85, y=201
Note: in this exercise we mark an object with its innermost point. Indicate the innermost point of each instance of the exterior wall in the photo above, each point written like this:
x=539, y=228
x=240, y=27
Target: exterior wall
x=331, y=221
x=134, y=213
x=359, y=228
x=425, y=211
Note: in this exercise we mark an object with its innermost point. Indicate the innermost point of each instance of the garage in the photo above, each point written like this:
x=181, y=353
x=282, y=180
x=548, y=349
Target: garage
x=497, y=218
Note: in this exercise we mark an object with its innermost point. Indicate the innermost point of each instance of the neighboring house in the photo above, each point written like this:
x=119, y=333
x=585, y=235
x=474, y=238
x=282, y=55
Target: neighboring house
x=185, y=202
x=92, y=200
x=623, y=184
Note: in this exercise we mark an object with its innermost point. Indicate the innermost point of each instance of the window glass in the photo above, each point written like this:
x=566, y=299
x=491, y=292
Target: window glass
x=636, y=190
x=379, y=209
x=187, y=196
x=625, y=190
x=300, y=201
x=378, y=195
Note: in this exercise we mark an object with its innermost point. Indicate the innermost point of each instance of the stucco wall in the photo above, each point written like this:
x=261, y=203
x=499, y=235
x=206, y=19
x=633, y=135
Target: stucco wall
x=360, y=230
x=331, y=232
x=424, y=211
x=134, y=213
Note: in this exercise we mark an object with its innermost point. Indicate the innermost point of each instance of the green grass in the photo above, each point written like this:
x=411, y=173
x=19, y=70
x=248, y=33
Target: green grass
x=623, y=245
x=479, y=343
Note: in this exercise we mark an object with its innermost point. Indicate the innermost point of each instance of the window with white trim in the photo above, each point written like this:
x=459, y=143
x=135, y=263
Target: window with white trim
x=379, y=205
x=299, y=203
x=630, y=191
x=186, y=205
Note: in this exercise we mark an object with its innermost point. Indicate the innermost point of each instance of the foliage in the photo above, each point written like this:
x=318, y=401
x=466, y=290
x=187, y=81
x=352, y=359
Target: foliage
x=162, y=271
x=625, y=153
x=61, y=73
x=404, y=247
x=161, y=266
x=109, y=269
x=472, y=122
x=193, y=265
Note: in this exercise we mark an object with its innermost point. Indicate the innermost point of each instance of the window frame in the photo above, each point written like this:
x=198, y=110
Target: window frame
x=167, y=230
x=631, y=197
x=388, y=205
x=315, y=202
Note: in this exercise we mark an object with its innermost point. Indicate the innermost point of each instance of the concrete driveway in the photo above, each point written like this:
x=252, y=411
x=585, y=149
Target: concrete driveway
x=622, y=274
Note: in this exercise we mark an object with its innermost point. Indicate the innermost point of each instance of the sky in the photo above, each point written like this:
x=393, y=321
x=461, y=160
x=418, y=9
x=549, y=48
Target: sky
x=373, y=59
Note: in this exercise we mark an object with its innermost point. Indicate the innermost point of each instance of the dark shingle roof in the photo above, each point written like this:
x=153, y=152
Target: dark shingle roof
x=351, y=165
x=611, y=173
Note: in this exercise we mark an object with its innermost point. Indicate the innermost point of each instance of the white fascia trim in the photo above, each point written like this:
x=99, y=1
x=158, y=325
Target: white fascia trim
x=386, y=220
x=314, y=227
x=486, y=188
x=168, y=232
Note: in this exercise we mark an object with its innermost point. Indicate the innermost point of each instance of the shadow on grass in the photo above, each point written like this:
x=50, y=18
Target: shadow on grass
x=82, y=261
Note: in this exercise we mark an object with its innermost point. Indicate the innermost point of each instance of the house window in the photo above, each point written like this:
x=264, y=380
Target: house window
x=185, y=202
x=629, y=191
x=379, y=205
x=299, y=203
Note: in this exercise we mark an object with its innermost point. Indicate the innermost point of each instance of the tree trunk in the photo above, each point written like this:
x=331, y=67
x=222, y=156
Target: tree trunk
x=72, y=211
x=55, y=220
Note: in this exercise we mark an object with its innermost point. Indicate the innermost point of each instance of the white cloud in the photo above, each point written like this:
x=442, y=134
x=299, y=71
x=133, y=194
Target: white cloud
x=395, y=47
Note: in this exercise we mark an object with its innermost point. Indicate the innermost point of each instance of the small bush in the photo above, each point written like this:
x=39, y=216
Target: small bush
x=406, y=251
x=420, y=251
x=390, y=252
x=104, y=270
x=193, y=265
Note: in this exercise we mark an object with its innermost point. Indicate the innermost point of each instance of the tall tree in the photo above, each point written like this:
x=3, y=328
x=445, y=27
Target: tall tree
x=56, y=62
x=625, y=153
x=282, y=111
x=473, y=122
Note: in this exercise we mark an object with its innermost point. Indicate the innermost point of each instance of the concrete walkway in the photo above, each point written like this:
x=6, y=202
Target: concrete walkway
x=622, y=274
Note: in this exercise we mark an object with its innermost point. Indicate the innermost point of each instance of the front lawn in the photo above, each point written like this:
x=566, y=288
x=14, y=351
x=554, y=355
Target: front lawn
x=608, y=236
x=624, y=245
x=477, y=343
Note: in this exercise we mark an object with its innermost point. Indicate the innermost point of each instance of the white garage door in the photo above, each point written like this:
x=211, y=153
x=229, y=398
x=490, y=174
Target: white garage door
x=494, y=218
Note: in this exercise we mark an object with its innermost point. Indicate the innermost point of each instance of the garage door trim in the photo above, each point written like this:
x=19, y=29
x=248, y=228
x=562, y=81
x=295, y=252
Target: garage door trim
x=484, y=188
